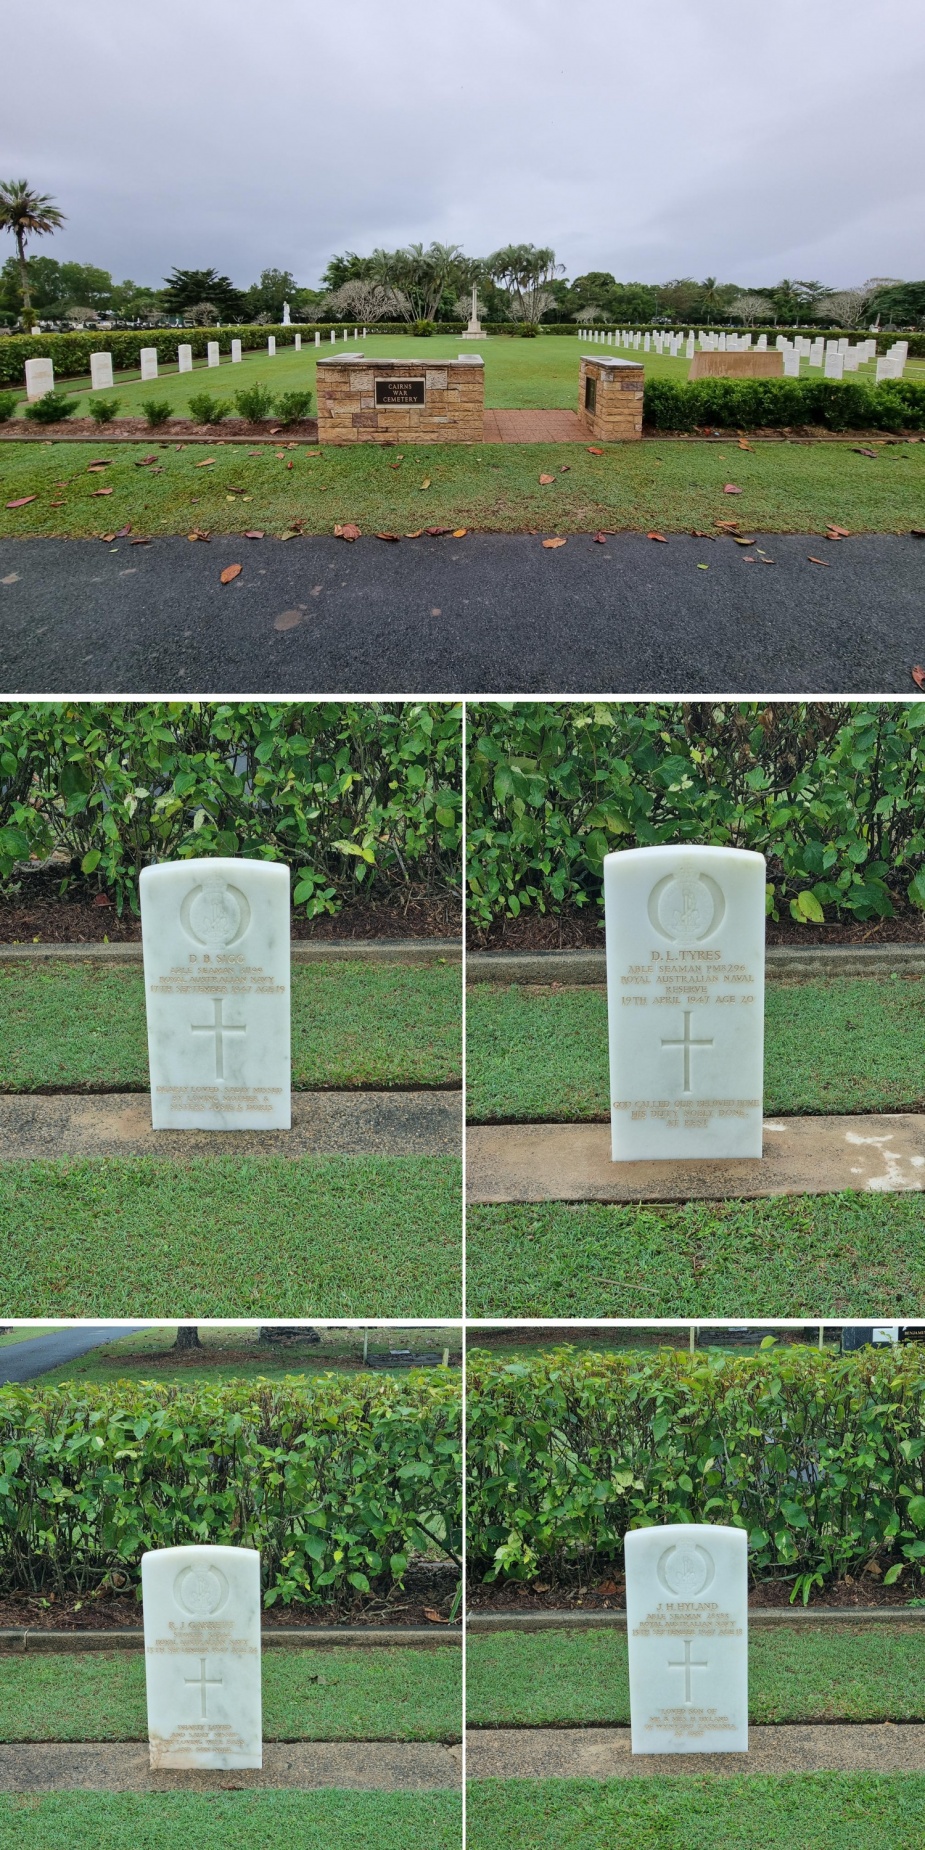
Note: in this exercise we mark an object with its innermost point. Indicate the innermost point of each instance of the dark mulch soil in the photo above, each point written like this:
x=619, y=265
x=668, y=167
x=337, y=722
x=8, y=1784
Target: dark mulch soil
x=38, y=913
x=609, y=1595
x=138, y=430
x=574, y=930
x=145, y=1363
x=429, y=1588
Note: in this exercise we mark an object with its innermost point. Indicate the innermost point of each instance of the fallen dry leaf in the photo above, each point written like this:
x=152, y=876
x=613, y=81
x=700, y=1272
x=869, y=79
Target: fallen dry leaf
x=546, y=479
x=435, y=1617
x=96, y=468
x=144, y=462
x=139, y=541
x=106, y=537
x=731, y=489
x=459, y=533
x=600, y=539
x=197, y=534
x=703, y=568
x=743, y=445
x=230, y=572
x=426, y=482
x=918, y=675
x=728, y=526
x=415, y=535
x=289, y=620
x=549, y=544
x=254, y=534
x=739, y=540
x=593, y=452
x=917, y=533
x=23, y=502
x=814, y=561
x=607, y=1589
x=437, y=533
x=57, y=504
x=837, y=533
x=102, y=899
x=205, y=465
x=96, y=491
x=388, y=536
x=860, y=452
x=565, y=468
x=657, y=536
x=348, y=532
x=12, y=578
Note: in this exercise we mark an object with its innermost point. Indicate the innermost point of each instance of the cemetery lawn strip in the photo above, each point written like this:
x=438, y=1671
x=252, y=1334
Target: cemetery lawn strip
x=354, y=1025
x=684, y=1812
x=792, y=1256
x=386, y=1694
x=349, y=1236
x=837, y=1046
x=674, y=487
x=332, y=1820
x=799, y=1673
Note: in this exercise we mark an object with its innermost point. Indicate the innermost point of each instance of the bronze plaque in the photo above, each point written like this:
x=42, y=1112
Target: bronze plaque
x=399, y=392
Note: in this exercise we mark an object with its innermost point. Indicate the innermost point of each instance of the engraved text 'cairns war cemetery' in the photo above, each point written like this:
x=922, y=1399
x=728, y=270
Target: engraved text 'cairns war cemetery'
x=202, y=1657
x=215, y=936
x=685, y=995
x=687, y=1626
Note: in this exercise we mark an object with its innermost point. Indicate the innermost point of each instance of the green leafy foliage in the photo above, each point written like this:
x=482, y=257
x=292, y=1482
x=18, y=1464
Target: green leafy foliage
x=291, y=406
x=777, y=404
x=157, y=411
x=254, y=402
x=7, y=406
x=830, y=793
x=334, y=1480
x=51, y=408
x=355, y=796
x=821, y=1458
x=207, y=409
x=423, y=328
x=102, y=410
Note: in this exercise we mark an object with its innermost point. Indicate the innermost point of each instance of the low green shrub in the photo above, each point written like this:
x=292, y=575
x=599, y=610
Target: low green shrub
x=52, y=408
x=157, y=411
x=360, y=799
x=335, y=1480
x=255, y=402
x=821, y=1458
x=829, y=792
x=205, y=408
x=292, y=406
x=779, y=404
x=8, y=402
x=103, y=410
x=423, y=328
x=528, y=330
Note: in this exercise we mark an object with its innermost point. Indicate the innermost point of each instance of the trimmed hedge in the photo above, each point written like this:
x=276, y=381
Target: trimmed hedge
x=335, y=1480
x=820, y=1458
x=780, y=404
x=361, y=798
x=830, y=792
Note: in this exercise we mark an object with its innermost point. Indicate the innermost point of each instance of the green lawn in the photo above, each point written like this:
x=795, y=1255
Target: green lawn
x=353, y=1025
x=247, y=1820
x=22, y=1336
x=832, y=1046
x=795, y=1256
x=227, y=1236
x=665, y=486
x=384, y=1694
x=800, y=1811
x=831, y=1672
x=233, y=1354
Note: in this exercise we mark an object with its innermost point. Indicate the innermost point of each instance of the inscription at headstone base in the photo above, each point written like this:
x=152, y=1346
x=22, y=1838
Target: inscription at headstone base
x=202, y=1657
x=685, y=1001
x=687, y=1630
x=215, y=940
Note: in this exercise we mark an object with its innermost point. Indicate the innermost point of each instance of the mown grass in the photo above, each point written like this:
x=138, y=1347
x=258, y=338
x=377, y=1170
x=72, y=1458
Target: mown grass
x=229, y=1353
x=227, y=1236
x=353, y=1025
x=831, y=1046
x=795, y=1811
x=331, y=1820
x=795, y=1256
x=799, y=1673
x=665, y=486
x=388, y=1694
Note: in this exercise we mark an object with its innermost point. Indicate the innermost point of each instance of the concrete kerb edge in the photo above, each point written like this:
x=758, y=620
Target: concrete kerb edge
x=17, y=1640
x=304, y=951
x=616, y=1620
x=782, y=962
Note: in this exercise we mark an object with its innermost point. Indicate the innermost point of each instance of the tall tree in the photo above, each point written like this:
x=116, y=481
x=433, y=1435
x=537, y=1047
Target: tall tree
x=525, y=271
x=185, y=289
x=27, y=214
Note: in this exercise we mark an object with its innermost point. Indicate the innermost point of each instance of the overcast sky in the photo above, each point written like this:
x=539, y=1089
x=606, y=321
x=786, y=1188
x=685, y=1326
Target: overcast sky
x=654, y=140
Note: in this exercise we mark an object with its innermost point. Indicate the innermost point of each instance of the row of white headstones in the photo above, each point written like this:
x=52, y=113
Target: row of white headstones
x=687, y=1629
x=836, y=357
x=40, y=373
x=685, y=931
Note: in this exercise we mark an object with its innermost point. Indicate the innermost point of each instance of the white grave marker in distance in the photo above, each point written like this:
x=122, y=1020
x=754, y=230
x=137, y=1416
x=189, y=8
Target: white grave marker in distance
x=202, y=1657
x=101, y=372
x=297, y=342
x=687, y=1629
x=213, y=353
x=215, y=941
x=40, y=378
x=185, y=358
x=685, y=1001
x=148, y=359
x=236, y=353
x=271, y=343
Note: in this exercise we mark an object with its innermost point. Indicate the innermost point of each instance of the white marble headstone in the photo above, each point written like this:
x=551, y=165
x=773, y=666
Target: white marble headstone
x=148, y=358
x=202, y=1657
x=213, y=353
x=185, y=358
x=685, y=1001
x=271, y=343
x=235, y=352
x=297, y=342
x=834, y=364
x=40, y=378
x=317, y=338
x=215, y=937
x=687, y=1629
x=101, y=372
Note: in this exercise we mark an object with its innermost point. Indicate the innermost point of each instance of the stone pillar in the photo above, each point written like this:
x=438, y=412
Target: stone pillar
x=610, y=397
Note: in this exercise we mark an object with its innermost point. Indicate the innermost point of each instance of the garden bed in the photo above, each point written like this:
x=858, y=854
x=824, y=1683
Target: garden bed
x=138, y=430
x=574, y=930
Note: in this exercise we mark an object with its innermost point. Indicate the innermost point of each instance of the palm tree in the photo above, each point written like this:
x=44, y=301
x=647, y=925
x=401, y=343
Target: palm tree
x=26, y=214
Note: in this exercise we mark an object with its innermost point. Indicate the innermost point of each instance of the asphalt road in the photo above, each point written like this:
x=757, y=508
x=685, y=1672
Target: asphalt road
x=39, y=1354
x=493, y=613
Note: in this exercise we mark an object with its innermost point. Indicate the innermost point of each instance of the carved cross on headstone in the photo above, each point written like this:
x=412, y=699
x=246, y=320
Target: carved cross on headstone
x=687, y=1043
x=202, y=1683
x=219, y=1028
x=687, y=1664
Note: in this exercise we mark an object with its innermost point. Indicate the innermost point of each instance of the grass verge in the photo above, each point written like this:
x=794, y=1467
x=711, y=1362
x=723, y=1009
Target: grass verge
x=799, y=1673
x=248, y=1820
x=339, y=1695
x=230, y=1354
x=680, y=1812
x=222, y=1236
x=795, y=1256
x=353, y=1025
x=671, y=486
x=834, y=1046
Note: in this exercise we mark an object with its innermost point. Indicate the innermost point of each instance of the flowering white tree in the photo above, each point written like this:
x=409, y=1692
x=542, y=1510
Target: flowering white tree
x=750, y=308
x=366, y=301
x=847, y=308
